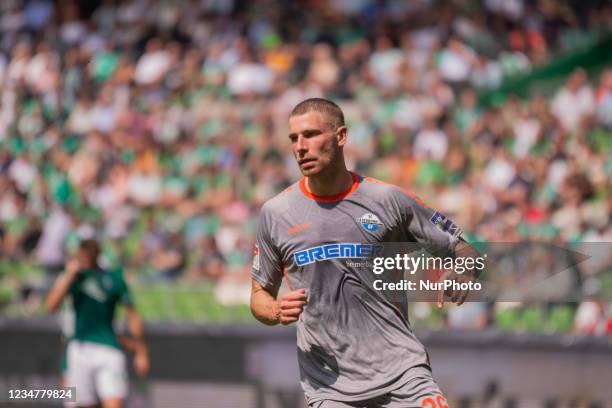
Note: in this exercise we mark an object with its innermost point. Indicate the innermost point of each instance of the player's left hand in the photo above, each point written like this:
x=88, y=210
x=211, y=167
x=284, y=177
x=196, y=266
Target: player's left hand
x=456, y=296
x=141, y=363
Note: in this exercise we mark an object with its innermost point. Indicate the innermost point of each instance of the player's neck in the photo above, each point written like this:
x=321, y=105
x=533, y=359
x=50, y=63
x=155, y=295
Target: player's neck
x=330, y=184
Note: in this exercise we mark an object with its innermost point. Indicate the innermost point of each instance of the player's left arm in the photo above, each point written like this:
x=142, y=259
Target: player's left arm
x=440, y=236
x=135, y=342
x=458, y=296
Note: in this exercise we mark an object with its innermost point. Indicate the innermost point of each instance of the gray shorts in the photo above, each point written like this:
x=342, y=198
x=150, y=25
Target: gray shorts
x=419, y=392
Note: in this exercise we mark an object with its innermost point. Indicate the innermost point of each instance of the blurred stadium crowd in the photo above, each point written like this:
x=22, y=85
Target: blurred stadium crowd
x=160, y=128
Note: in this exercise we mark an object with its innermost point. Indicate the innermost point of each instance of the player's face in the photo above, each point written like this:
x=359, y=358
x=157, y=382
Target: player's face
x=314, y=143
x=85, y=259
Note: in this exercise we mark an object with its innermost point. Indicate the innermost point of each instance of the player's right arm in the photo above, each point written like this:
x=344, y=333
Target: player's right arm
x=62, y=285
x=268, y=310
x=267, y=274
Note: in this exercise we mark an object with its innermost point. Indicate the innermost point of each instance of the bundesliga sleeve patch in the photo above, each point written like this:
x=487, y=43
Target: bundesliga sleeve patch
x=445, y=224
x=256, y=257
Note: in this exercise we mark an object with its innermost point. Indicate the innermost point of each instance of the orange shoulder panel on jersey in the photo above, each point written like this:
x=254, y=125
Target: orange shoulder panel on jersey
x=403, y=190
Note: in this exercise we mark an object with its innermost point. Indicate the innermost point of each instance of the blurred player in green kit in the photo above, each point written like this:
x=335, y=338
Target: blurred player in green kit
x=96, y=365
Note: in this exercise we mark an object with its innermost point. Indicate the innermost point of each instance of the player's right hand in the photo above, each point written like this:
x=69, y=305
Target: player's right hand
x=291, y=305
x=73, y=266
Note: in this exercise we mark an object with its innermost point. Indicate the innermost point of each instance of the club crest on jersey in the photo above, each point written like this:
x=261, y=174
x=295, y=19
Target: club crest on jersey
x=107, y=282
x=445, y=224
x=93, y=290
x=369, y=222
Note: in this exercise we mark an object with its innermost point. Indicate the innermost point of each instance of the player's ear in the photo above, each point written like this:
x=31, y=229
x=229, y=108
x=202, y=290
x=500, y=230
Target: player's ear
x=342, y=135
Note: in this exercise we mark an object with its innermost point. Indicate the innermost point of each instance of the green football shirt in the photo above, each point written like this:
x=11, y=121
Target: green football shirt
x=95, y=295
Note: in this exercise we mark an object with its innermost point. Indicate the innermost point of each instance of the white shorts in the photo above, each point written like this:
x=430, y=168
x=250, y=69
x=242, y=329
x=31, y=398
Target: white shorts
x=97, y=371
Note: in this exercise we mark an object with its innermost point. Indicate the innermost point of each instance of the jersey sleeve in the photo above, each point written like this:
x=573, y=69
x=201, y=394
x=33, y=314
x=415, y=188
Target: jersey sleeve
x=124, y=294
x=438, y=234
x=267, y=267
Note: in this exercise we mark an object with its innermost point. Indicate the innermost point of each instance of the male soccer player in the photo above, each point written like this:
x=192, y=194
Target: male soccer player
x=95, y=363
x=354, y=349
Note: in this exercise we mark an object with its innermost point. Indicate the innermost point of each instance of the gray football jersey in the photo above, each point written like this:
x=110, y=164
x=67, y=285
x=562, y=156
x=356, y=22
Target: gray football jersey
x=352, y=344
